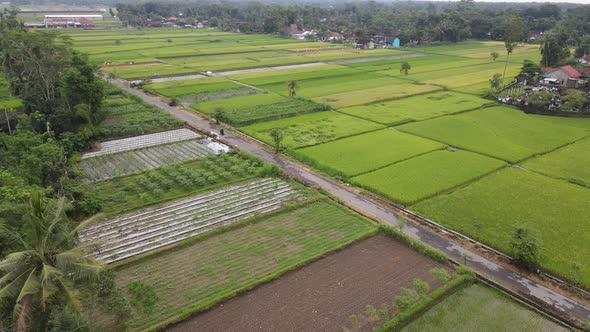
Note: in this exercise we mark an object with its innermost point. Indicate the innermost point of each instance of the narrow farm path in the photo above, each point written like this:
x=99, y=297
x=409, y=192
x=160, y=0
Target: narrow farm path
x=259, y=69
x=506, y=276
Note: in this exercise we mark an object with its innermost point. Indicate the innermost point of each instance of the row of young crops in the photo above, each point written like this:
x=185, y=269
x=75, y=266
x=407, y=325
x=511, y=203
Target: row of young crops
x=155, y=227
x=136, y=161
x=142, y=141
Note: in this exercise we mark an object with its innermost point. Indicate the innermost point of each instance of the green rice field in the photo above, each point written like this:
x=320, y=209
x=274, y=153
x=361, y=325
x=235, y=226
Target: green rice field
x=480, y=308
x=427, y=175
x=569, y=163
x=417, y=108
x=311, y=129
x=362, y=153
x=492, y=131
x=489, y=210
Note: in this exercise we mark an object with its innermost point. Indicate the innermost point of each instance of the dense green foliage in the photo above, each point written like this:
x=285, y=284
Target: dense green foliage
x=420, y=22
x=39, y=276
x=490, y=210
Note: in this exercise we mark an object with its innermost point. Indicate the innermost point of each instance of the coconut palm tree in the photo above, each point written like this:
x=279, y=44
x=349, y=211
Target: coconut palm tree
x=292, y=85
x=49, y=264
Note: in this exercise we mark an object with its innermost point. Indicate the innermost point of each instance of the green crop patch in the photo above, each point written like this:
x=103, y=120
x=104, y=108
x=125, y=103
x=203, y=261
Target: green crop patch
x=424, y=176
x=294, y=74
x=238, y=103
x=248, y=114
x=479, y=308
x=423, y=64
x=130, y=116
x=331, y=85
x=500, y=132
x=568, y=163
x=490, y=209
x=195, y=276
x=416, y=108
x=465, y=76
x=359, y=154
x=391, y=90
x=191, y=87
x=174, y=181
x=311, y=129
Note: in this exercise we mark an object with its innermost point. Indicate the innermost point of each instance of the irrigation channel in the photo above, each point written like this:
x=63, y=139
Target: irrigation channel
x=537, y=295
x=310, y=64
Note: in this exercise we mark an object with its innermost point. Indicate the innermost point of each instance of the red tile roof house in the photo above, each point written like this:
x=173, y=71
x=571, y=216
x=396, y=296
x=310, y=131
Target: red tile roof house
x=567, y=76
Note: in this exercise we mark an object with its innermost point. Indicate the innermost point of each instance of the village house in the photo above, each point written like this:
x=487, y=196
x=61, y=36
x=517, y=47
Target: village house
x=567, y=76
x=585, y=60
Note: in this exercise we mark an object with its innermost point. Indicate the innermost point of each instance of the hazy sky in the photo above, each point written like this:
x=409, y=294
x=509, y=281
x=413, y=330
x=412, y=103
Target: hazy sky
x=548, y=1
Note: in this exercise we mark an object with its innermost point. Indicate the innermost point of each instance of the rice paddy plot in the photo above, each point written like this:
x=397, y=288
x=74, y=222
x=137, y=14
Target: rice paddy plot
x=390, y=91
x=427, y=175
x=465, y=76
x=284, y=108
x=331, y=85
x=480, y=308
x=155, y=227
x=423, y=64
x=216, y=268
x=416, y=108
x=362, y=153
x=147, y=68
x=295, y=74
x=500, y=132
x=238, y=103
x=139, y=160
x=569, y=163
x=490, y=209
x=185, y=89
x=311, y=129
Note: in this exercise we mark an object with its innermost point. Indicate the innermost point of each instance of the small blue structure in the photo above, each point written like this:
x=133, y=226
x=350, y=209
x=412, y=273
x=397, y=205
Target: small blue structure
x=395, y=42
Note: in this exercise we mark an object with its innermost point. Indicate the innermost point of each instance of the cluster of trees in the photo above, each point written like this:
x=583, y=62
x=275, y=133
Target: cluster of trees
x=410, y=21
x=44, y=273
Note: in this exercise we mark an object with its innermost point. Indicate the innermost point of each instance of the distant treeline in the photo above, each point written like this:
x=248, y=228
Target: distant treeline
x=411, y=21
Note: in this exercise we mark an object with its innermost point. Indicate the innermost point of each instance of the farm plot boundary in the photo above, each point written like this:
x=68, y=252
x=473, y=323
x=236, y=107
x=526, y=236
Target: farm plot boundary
x=317, y=296
x=312, y=229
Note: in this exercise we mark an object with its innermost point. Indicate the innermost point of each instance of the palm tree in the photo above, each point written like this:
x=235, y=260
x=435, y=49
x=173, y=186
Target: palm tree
x=405, y=68
x=292, y=85
x=43, y=273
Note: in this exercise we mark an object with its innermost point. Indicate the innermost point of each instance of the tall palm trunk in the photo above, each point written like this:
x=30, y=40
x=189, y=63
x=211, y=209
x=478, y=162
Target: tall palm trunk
x=506, y=64
x=23, y=320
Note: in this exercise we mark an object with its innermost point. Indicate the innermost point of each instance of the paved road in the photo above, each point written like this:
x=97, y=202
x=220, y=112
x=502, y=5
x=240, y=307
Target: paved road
x=503, y=276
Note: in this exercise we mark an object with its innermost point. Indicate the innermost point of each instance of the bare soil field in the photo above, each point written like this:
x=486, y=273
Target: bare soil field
x=323, y=295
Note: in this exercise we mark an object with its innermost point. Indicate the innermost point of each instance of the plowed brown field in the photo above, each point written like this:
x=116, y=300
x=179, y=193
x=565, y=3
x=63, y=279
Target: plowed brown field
x=324, y=294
